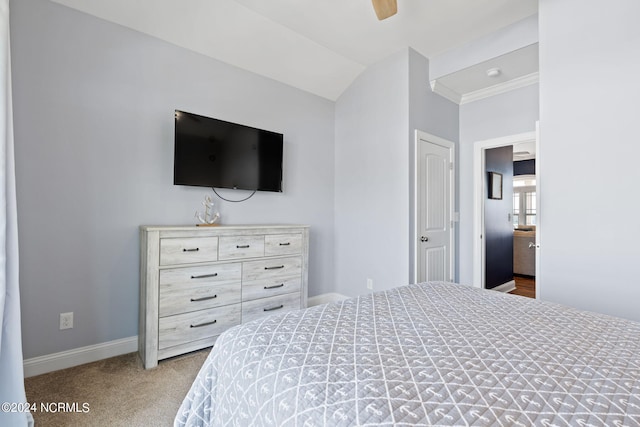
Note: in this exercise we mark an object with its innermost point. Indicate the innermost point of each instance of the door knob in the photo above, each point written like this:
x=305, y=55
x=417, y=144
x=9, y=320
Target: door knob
x=424, y=239
x=532, y=245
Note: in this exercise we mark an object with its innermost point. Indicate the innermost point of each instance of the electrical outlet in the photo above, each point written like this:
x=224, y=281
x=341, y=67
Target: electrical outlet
x=66, y=320
x=370, y=284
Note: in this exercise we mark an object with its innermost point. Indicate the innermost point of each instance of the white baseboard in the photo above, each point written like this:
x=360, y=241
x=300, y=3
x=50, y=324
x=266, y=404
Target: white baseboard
x=79, y=356
x=325, y=298
x=92, y=353
x=505, y=287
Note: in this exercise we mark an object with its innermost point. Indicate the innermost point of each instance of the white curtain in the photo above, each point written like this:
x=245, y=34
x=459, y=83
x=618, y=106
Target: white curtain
x=11, y=371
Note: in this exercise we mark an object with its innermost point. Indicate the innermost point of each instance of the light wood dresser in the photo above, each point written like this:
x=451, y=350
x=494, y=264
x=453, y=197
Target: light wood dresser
x=196, y=282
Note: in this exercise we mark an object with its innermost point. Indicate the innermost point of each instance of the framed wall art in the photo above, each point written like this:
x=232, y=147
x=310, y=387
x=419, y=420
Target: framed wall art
x=495, y=185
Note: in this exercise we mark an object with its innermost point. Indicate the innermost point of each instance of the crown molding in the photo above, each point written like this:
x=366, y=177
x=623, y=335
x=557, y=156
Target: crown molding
x=445, y=91
x=507, y=86
x=487, y=92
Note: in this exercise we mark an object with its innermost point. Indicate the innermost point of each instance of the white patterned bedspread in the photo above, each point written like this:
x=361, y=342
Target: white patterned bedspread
x=427, y=354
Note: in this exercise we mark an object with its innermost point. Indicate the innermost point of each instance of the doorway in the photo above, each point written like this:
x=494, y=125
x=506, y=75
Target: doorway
x=530, y=234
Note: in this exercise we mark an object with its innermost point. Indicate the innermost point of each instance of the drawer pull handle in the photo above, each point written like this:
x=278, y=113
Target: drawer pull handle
x=285, y=244
x=274, y=286
x=191, y=250
x=203, y=298
x=202, y=324
x=242, y=246
x=274, y=268
x=204, y=276
x=274, y=308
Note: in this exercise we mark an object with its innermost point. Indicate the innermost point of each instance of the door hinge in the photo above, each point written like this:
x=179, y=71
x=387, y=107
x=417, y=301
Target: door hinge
x=451, y=166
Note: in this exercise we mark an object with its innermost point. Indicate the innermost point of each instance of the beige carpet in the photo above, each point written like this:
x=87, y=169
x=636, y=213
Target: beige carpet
x=118, y=391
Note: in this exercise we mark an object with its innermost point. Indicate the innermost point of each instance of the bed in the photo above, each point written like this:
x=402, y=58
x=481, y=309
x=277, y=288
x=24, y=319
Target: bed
x=427, y=354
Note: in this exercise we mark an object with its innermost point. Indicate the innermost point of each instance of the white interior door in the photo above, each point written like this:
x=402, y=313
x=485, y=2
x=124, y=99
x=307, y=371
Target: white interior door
x=434, y=223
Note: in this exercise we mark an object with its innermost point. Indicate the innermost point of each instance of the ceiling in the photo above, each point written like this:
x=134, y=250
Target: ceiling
x=524, y=150
x=515, y=69
x=319, y=46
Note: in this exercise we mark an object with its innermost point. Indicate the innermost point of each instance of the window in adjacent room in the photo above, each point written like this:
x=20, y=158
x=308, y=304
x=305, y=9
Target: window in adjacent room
x=524, y=200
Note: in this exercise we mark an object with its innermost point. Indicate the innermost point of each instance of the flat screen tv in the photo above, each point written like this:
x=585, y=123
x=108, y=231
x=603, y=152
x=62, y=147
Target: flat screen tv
x=214, y=153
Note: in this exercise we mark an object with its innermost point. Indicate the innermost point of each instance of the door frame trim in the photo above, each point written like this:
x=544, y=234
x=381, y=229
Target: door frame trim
x=421, y=135
x=479, y=148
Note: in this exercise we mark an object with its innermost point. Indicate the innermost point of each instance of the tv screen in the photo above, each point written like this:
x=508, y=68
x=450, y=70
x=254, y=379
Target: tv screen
x=214, y=153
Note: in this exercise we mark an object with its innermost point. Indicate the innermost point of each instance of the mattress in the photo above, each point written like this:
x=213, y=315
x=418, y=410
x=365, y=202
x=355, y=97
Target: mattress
x=427, y=354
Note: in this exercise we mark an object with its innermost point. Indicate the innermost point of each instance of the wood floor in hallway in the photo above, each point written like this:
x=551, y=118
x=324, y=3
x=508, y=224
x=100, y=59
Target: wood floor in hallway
x=525, y=286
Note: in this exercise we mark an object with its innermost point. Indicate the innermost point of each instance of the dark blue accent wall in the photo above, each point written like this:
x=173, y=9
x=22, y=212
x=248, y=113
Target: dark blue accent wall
x=498, y=229
x=524, y=167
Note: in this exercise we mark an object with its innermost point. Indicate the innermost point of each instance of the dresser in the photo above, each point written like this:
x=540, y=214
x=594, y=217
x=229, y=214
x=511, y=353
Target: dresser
x=196, y=282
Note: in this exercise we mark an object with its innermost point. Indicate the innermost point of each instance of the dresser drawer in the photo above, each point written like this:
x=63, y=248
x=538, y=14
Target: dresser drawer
x=237, y=247
x=196, y=288
x=203, y=274
x=272, y=268
x=254, y=289
x=256, y=309
x=282, y=244
x=183, y=298
x=188, y=250
x=183, y=328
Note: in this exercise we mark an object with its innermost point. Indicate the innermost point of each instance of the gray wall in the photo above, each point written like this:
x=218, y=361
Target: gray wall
x=506, y=114
x=93, y=105
x=589, y=89
x=375, y=122
x=429, y=111
x=371, y=187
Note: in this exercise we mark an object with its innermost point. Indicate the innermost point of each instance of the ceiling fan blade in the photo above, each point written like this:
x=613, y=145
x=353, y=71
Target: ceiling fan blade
x=385, y=8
